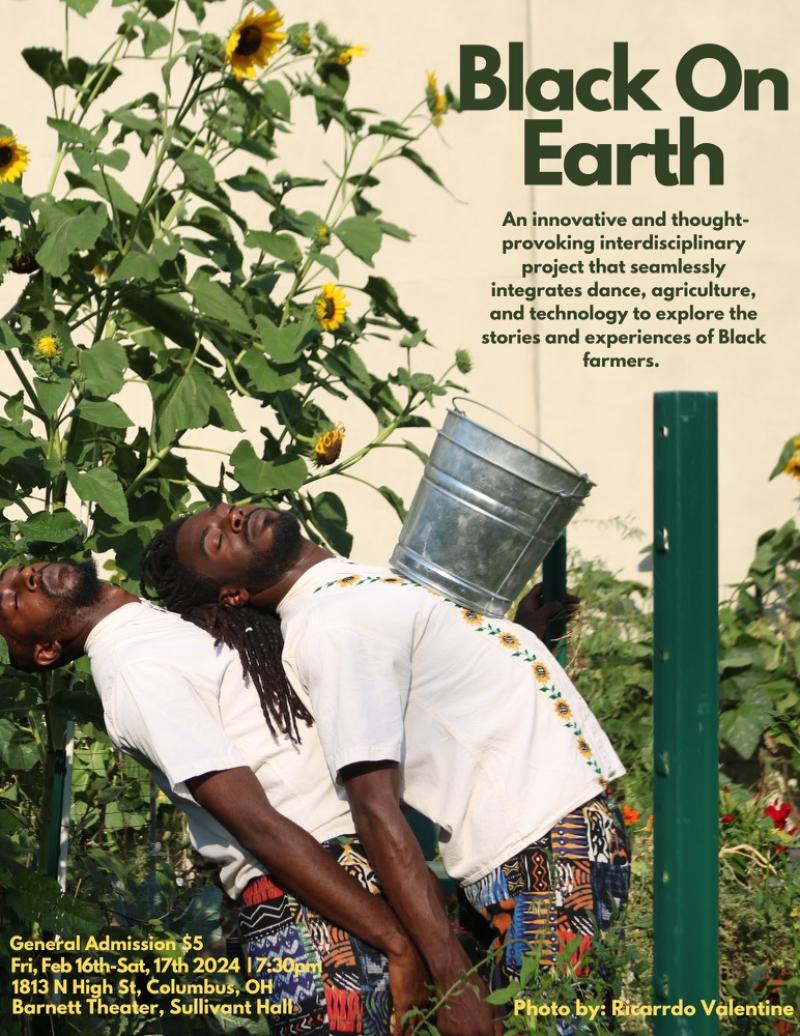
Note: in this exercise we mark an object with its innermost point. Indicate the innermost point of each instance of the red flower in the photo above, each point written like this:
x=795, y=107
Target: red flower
x=778, y=814
x=630, y=816
x=727, y=818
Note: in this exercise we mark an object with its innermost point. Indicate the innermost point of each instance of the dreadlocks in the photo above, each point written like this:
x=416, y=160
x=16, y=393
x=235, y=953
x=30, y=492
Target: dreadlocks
x=255, y=634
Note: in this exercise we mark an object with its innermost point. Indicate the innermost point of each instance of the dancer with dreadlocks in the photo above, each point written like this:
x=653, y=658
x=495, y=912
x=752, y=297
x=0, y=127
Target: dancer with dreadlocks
x=222, y=732
x=472, y=719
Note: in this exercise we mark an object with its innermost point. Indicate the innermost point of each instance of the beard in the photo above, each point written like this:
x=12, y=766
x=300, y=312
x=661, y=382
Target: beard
x=85, y=589
x=269, y=566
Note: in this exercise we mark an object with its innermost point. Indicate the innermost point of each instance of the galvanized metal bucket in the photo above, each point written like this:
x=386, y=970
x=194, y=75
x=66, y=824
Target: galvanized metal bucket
x=485, y=514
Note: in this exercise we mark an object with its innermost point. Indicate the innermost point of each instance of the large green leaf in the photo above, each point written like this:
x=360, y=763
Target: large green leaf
x=83, y=7
x=72, y=133
x=51, y=394
x=171, y=316
x=136, y=266
x=186, y=400
x=361, y=236
x=108, y=414
x=743, y=726
x=47, y=63
x=420, y=163
x=155, y=36
x=100, y=486
x=280, y=245
x=103, y=367
x=103, y=184
x=51, y=528
x=259, y=477
x=72, y=235
x=265, y=376
x=330, y=517
x=385, y=302
x=214, y=300
x=283, y=344
x=8, y=340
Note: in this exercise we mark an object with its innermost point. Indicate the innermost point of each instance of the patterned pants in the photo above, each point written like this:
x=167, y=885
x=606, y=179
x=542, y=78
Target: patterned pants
x=324, y=980
x=561, y=890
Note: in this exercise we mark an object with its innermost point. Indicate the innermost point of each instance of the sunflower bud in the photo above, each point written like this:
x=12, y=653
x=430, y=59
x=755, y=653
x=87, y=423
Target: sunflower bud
x=345, y=56
x=322, y=235
x=792, y=466
x=463, y=361
x=47, y=346
x=328, y=446
x=299, y=38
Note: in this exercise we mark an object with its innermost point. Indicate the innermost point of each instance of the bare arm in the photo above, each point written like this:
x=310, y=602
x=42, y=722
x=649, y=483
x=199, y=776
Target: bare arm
x=300, y=864
x=374, y=793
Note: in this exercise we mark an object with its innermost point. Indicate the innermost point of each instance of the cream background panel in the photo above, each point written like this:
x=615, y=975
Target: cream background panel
x=599, y=418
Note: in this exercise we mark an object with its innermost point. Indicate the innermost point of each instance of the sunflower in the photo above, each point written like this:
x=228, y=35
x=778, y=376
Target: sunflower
x=563, y=711
x=253, y=42
x=344, y=57
x=584, y=747
x=792, y=466
x=473, y=618
x=347, y=580
x=328, y=446
x=541, y=672
x=330, y=306
x=47, y=346
x=391, y=580
x=509, y=640
x=13, y=159
x=437, y=102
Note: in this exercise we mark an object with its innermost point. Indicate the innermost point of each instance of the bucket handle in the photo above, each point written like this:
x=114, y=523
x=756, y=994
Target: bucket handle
x=497, y=413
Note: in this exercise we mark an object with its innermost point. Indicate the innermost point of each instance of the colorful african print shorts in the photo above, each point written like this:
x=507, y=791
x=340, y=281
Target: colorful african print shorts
x=561, y=890
x=324, y=980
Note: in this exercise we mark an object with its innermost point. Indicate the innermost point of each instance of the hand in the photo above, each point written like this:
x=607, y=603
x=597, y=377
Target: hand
x=535, y=615
x=408, y=982
x=465, y=1011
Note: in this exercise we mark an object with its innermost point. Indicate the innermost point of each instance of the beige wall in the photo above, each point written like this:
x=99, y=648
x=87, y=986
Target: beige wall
x=598, y=418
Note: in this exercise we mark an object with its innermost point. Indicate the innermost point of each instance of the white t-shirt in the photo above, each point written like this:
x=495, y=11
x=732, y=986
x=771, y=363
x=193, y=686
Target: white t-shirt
x=183, y=707
x=496, y=745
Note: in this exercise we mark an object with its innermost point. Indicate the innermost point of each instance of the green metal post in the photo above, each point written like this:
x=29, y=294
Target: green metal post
x=554, y=579
x=686, y=711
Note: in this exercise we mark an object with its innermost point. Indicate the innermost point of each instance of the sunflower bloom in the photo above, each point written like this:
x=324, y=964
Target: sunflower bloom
x=330, y=306
x=509, y=640
x=344, y=57
x=541, y=672
x=47, y=346
x=437, y=102
x=328, y=446
x=472, y=617
x=253, y=42
x=563, y=711
x=792, y=466
x=13, y=159
x=584, y=748
x=347, y=580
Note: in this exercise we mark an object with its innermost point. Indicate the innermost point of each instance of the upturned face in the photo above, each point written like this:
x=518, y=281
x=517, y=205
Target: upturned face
x=39, y=605
x=239, y=545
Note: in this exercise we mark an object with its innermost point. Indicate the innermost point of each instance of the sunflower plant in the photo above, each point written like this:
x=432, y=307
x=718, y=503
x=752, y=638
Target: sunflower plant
x=169, y=255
